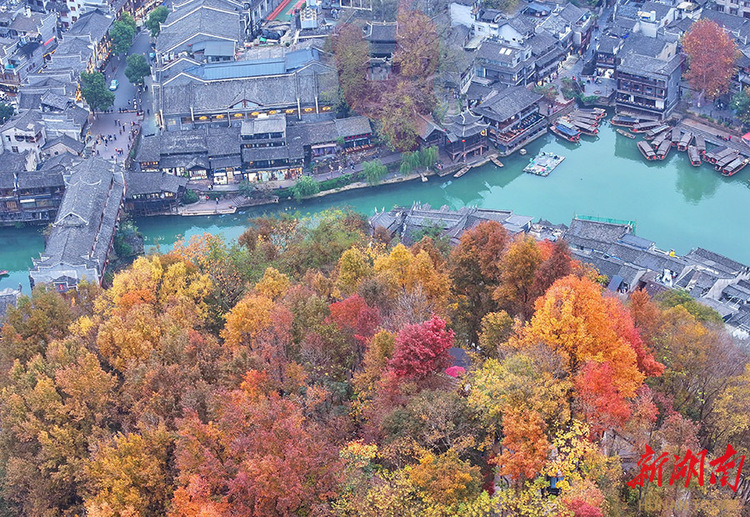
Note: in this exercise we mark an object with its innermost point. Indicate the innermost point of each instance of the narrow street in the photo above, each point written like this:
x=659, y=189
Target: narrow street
x=113, y=134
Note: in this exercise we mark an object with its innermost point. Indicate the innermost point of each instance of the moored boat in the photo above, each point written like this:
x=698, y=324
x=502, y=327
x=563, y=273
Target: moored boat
x=462, y=172
x=685, y=141
x=726, y=160
x=694, y=155
x=647, y=125
x=663, y=150
x=4, y=272
x=734, y=167
x=715, y=158
x=571, y=134
x=625, y=133
x=676, y=137
x=624, y=121
x=646, y=150
x=585, y=127
x=666, y=135
x=599, y=113
x=651, y=133
x=700, y=144
x=711, y=155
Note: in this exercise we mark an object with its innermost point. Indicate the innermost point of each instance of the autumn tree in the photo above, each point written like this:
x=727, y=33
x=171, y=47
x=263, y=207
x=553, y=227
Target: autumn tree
x=475, y=274
x=417, y=55
x=259, y=454
x=352, y=55
x=130, y=475
x=710, y=66
x=421, y=349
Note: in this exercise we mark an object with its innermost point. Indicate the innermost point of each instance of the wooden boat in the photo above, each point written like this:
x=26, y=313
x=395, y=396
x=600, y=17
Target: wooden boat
x=585, y=128
x=663, y=151
x=624, y=121
x=694, y=155
x=566, y=132
x=685, y=141
x=711, y=156
x=726, y=160
x=583, y=116
x=700, y=144
x=642, y=127
x=599, y=113
x=496, y=161
x=651, y=133
x=734, y=167
x=646, y=150
x=666, y=135
x=625, y=133
x=462, y=172
x=676, y=137
x=720, y=156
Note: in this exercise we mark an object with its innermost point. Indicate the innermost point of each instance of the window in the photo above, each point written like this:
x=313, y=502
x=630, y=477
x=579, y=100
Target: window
x=14, y=148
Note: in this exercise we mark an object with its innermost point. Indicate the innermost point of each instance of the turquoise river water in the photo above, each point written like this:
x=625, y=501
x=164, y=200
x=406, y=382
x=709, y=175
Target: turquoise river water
x=673, y=203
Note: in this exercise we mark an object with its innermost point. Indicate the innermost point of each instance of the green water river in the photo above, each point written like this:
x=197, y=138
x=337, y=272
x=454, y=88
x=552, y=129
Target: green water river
x=673, y=203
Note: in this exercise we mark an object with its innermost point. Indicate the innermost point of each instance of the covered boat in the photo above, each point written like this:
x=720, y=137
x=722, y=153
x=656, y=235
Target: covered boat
x=642, y=127
x=663, y=150
x=694, y=155
x=700, y=144
x=623, y=121
x=646, y=150
x=651, y=133
x=685, y=141
x=566, y=131
x=734, y=167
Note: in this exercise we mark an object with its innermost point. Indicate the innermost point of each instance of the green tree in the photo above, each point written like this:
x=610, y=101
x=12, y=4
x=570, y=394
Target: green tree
x=122, y=33
x=374, y=171
x=6, y=111
x=155, y=19
x=137, y=68
x=741, y=105
x=95, y=91
x=305, y=187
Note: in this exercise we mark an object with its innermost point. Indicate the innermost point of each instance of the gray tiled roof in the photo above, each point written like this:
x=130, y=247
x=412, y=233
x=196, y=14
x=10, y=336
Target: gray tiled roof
x=649, y=67
x=71, y=143
x=203, y=24
x=381, y=31
x=352, y=126
x=79, y=242
x=140, y=183
x=659, y=8
x=265, y=92
x=94, y=24
x=503, y=104
x=592, y=234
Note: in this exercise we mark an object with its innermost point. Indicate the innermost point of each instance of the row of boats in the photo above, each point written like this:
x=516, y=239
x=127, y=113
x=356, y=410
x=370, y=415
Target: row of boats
x=661, y=138
x=581, y=121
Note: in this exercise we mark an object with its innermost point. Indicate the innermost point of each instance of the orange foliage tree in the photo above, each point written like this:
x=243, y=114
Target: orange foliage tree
x=711, y=56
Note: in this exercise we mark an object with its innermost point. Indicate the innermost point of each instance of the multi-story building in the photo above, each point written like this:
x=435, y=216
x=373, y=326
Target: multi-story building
x=508, y=64
x=150, y=193
x=295, y=83
x=30, y=197
x=513, y=117
x=93, y=28
x=24, y=133
x=648, y=76
x=201, y=30
x=25, y=39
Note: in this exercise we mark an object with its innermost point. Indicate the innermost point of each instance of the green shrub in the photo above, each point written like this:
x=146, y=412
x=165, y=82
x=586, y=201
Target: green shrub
x=306, y=186
x=190, y=197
